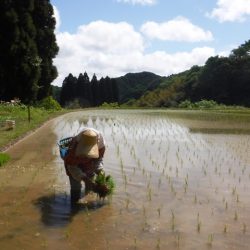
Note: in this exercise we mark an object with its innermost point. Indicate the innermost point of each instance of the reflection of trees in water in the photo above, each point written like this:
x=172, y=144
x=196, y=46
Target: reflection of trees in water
x=57, y=210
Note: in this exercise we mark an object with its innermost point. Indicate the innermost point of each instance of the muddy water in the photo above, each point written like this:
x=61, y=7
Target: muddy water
x=175, y=189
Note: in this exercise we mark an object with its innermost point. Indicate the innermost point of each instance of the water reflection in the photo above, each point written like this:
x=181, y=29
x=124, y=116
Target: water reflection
x=58, y=211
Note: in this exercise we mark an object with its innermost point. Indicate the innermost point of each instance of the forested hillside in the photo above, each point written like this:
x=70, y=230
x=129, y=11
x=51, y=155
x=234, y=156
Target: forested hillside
x=134, y=85
x=225, y=80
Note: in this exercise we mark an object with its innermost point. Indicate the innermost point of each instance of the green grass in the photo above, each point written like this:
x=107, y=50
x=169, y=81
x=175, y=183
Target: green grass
x=19, y=114
x=4, y=158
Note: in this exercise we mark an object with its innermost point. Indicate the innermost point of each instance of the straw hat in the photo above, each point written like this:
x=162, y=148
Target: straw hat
x=87, y=144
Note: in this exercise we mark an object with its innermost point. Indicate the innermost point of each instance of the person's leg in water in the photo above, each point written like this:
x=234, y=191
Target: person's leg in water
x=75, y=189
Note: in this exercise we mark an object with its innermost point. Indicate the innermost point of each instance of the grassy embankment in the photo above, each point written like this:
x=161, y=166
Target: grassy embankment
x=19, y=114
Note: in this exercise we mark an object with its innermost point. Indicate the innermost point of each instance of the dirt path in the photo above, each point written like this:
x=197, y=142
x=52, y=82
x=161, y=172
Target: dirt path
x=29, y=176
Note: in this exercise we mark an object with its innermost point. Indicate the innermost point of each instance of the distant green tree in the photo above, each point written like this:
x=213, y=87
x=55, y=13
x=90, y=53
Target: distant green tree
x=115, y=91
x=82, y=90
x=94, y=91
x=68, y=92
x=102, y=97
x=214, y=80
x=108, y=90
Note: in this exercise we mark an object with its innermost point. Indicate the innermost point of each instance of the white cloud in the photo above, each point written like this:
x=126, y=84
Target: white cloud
x=115, y=49
x=178, y=29
x=163, y=63
x=231, y=10
x=142, y=2
x=57, y=17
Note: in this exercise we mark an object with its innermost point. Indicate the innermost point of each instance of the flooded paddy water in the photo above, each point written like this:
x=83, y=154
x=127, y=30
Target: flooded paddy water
x=182, y=182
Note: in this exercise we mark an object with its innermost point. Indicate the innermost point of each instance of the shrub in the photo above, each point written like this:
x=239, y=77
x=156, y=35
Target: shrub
x=203, y=104
x=185, y=104
x=110, y=105
x=49, y=103
x=4, y=158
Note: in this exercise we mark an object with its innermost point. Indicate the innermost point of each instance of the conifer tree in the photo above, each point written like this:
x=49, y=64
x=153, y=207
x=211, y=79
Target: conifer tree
x=68, y=92
x=44, y=21
x=94, y=87
x=25, y=62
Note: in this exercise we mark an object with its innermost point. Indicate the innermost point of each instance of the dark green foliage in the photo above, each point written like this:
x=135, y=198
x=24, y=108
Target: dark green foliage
x=105, y=185
x=68, y=92
x=134, y=85
x=226, y=79
x=46, y=44
x=80, y=92
x=4, y=158
x=24, y=52
x=56, y=92
x=49, y=103
x=203, y=104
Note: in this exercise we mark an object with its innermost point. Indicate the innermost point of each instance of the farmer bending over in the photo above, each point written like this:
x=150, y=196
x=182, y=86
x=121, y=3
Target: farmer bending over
x=84, y=160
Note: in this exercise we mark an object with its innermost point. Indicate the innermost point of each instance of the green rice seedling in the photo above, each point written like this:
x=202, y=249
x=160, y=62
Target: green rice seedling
x=198, y=227
x=159, y=212
x=135, y=242
x=244, y=228
x=105, y=185
x=172, y=221
x=127, y=203
x=177, y=240
x=210, y=239
x=234, y=191
x=235, y=215
x=149, y=194
x=195, y=199
x=144, y=212
x=226, y=205
x=159, y=182
x=158, y=245
x=225, y=230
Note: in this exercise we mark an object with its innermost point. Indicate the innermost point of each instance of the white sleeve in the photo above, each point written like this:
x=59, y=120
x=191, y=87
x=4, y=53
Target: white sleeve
x=100, y=140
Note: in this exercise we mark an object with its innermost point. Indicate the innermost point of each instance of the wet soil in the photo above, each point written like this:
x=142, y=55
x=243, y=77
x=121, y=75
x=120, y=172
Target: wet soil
x=175, y=189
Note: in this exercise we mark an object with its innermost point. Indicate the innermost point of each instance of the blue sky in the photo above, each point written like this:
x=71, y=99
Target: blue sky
x=115, y=37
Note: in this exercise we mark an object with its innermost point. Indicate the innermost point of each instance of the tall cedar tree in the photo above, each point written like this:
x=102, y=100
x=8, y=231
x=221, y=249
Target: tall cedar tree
x=46, y=44
x=82, y=89
x=94, y=91
x=22, y=60
x=68, y=93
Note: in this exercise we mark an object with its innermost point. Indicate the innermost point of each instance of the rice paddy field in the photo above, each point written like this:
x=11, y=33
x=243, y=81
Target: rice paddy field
x=182, y=182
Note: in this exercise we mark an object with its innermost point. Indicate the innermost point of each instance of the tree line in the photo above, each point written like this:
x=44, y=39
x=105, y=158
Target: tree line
x=27, y=48
x=224, y=79
x=84, y=92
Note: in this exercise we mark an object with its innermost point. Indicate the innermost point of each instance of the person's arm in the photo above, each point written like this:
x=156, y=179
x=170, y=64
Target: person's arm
x=99, y=162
